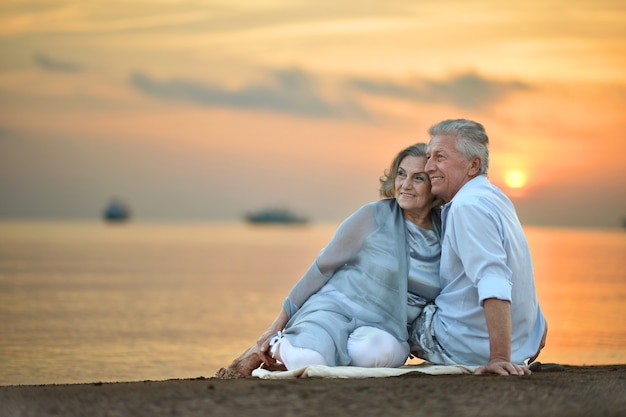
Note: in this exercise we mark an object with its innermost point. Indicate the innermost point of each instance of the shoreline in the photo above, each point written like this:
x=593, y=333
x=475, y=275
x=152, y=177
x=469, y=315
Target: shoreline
x=565, y=391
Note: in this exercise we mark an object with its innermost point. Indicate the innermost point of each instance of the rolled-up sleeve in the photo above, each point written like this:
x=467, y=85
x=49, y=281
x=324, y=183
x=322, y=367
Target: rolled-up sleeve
x=479, y=245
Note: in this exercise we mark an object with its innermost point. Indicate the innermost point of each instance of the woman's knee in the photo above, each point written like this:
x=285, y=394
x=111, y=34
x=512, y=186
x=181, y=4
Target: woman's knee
x=296, y=357
x=375, y=348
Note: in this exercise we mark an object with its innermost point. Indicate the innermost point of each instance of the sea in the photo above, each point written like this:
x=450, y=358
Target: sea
x=85, y=302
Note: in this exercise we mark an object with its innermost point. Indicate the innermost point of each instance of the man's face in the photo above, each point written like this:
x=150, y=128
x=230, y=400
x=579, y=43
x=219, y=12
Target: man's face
x=447, y=167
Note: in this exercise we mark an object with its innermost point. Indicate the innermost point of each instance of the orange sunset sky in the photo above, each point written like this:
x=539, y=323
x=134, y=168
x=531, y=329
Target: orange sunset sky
x=204, y=110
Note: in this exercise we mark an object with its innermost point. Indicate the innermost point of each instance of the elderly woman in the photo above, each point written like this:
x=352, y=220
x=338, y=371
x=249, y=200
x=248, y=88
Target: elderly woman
x=358, y=299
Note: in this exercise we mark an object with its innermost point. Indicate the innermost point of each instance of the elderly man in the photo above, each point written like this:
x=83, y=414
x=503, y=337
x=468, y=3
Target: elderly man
x=487, y=313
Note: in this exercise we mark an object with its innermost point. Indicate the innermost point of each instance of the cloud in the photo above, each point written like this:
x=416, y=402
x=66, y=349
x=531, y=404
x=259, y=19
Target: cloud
x=290, y=91
x=296, y=92
x=54, y=65
x=465, y=90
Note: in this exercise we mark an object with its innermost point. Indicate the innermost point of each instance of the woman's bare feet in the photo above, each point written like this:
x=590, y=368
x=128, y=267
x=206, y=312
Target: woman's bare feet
x=243, y=365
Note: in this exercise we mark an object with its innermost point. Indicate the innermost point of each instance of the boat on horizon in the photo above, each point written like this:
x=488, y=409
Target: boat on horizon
x=116, y=211
x=275, y=216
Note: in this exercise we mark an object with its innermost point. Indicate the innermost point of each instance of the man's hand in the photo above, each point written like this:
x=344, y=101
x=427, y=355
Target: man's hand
x=502, y=368
x=498, y=317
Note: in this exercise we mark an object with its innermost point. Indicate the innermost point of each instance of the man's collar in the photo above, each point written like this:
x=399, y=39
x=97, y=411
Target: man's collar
x=469, y=186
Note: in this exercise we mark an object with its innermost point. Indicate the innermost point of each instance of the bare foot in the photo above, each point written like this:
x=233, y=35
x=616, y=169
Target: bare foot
x=243, y=365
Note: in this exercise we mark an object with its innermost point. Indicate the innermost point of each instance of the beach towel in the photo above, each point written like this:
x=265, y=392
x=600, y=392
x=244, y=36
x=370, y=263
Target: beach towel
x=321, y=371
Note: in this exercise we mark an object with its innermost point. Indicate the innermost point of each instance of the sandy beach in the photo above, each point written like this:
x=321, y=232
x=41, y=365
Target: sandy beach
x=568, y=391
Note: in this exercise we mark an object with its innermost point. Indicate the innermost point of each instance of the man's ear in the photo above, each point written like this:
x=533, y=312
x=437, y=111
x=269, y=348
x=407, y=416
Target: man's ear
x=475, y=166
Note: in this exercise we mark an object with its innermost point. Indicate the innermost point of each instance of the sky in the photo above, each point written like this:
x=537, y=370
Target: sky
x=205, y=110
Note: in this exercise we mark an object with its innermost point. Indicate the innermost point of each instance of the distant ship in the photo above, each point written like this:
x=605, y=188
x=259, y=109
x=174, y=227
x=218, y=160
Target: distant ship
x=116, y=211
x=276, y=216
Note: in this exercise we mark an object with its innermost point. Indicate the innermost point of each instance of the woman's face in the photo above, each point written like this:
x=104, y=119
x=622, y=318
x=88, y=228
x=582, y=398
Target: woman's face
x=413, y=186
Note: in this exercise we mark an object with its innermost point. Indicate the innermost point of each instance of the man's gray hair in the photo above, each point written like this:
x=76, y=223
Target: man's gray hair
x=471, y=139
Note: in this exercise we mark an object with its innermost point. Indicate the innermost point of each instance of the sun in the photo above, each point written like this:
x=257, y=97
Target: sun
x=515, y=179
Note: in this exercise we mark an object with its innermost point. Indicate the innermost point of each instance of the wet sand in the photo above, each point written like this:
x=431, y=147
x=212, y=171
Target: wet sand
x=568, y=391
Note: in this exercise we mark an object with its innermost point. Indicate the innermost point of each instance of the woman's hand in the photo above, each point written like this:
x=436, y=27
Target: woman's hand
x=263, y=343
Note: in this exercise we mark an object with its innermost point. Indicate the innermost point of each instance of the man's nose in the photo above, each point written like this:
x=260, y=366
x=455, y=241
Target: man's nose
x=429, y=166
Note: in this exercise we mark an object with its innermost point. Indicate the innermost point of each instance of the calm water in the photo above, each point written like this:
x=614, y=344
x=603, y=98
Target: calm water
x=86, y=302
